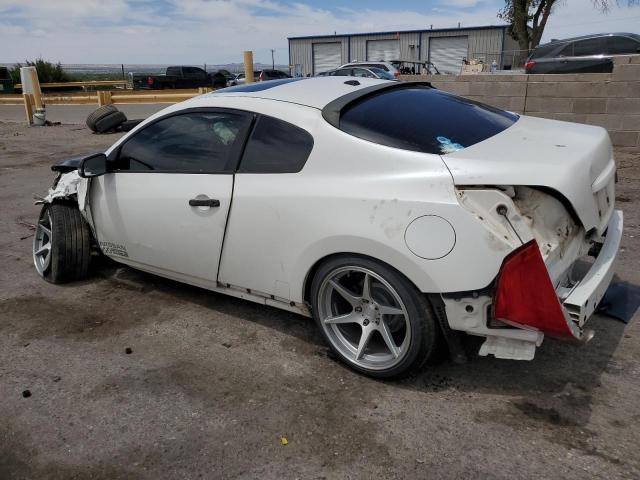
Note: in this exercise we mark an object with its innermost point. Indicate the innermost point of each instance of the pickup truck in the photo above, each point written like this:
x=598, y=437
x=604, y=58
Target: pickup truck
x=6, y=82
x=176, y=77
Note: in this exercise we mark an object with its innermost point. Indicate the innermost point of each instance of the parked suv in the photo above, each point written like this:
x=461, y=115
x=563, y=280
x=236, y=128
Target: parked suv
x=386, y=66
x=587, y=54
x=261, y=76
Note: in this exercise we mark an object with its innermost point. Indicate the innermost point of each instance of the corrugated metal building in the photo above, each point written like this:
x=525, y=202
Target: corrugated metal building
x=444, y=47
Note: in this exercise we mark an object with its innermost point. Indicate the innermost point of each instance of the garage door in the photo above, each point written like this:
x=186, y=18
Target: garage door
x=383, y=50
x=446, y=53
x=326, y=56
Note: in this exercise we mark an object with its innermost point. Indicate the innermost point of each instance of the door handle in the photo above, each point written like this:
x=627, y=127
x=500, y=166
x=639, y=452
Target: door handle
x=204, y=202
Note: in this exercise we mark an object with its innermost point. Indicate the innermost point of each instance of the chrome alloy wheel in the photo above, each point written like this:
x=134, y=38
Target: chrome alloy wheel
x=42, y=244
x=364, y=317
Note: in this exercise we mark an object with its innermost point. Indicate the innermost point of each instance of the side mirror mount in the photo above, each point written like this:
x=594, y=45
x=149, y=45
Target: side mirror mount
x=93, y=165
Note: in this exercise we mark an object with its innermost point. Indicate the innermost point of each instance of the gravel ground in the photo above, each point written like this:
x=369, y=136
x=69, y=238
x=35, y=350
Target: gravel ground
x=211, y=384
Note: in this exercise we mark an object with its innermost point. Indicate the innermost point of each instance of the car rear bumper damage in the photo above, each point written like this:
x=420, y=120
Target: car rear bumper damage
x=583, y=299
x=523, y=306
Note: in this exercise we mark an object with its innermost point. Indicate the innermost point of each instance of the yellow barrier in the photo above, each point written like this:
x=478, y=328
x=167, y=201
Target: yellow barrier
x=111, y=96
x=89, y=83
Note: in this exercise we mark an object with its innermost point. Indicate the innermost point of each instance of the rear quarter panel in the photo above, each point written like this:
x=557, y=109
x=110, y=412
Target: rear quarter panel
x=352, y=196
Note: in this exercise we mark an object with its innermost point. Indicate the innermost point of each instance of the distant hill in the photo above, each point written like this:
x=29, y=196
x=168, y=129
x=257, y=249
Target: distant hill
x=88, y=68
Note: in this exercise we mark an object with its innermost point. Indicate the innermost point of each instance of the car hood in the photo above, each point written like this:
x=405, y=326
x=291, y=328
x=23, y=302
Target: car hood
x=573, y=159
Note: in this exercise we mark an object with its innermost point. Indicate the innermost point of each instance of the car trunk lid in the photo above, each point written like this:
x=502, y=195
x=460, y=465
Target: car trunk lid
x=572, y=159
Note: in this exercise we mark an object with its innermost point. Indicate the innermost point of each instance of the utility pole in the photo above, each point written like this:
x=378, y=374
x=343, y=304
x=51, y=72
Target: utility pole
x=273, y=63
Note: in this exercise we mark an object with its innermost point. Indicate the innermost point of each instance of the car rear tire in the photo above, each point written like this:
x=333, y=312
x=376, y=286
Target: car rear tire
x=62, y=243
x=372, y=317
x=99, y=113
x=110, y=122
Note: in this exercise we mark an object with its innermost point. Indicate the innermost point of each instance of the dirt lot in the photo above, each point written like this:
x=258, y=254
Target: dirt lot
x=213, y=383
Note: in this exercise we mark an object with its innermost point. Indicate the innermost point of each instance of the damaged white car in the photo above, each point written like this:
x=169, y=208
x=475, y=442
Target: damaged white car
x=395, y=214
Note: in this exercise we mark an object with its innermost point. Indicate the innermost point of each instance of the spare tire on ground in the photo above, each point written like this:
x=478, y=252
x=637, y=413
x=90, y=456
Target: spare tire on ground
x=110, y=122
x=99, y=113
x=129, y=124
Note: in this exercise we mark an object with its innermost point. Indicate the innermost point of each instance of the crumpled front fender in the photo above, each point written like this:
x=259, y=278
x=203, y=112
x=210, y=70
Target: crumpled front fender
x=71, y=186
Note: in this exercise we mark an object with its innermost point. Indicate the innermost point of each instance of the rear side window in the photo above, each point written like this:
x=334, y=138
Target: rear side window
x=590, y=46
x=276, y=147
x=423, y=119
x=567, y=51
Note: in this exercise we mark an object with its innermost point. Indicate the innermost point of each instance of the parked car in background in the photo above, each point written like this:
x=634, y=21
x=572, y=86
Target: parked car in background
x=371, y=72
x=261, y=76
x=393, y=213
x=228, y=78
x=386, y=66
x=174, y=77
x=586, y=54
x=6, y=82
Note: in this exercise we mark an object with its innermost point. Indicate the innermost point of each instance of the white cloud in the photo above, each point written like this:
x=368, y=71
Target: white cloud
x=204, y=31
x=579, y=17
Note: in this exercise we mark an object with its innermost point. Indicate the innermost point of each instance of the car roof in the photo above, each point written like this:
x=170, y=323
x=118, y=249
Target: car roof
x=585, y=37
x=314, y=92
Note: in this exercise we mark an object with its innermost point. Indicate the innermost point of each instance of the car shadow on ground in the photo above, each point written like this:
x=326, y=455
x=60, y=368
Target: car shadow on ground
x=557, y=387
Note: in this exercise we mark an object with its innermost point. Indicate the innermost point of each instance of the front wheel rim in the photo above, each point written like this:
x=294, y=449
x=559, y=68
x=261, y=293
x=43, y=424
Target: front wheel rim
x=364, y=318
x=42, y=244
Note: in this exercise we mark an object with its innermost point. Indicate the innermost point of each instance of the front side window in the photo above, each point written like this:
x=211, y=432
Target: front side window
x=194, y=142
x=276, y=147
x=622, y=46
x=423, y=119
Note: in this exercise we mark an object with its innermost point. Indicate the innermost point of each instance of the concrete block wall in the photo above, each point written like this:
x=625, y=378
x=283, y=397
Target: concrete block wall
x=609, y=100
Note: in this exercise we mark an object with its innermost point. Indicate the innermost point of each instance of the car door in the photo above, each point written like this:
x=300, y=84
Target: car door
x=164, y=206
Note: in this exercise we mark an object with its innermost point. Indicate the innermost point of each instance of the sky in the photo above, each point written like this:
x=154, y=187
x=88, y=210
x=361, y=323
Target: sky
x=218, y=31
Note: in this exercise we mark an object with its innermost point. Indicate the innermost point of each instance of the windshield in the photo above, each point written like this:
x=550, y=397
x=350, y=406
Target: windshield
x=423, y=119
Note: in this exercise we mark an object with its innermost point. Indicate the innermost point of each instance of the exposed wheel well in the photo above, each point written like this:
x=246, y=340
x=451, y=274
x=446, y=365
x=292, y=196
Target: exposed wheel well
x=312, y=271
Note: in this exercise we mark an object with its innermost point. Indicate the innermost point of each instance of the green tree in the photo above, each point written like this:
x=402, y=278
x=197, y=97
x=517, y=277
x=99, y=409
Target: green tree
x=48, y=72
x=527, y=18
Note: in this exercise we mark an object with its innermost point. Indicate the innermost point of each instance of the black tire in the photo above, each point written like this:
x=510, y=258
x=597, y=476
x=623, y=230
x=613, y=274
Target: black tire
x=70, y=243
x=110, y=122
x=425, y=334
x=99, y=113
x=129, y=125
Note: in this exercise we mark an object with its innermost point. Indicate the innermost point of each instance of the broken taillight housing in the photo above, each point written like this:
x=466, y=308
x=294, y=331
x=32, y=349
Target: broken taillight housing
x=525, y=296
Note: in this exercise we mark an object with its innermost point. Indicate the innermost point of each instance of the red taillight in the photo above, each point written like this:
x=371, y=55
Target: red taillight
x=149, y=81
x=529, y=65
x=525, y=296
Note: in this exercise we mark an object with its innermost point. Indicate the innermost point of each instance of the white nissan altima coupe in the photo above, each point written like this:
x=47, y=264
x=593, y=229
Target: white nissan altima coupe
x=395, y=214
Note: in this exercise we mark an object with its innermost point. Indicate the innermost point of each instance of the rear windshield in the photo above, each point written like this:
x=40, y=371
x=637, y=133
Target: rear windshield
x=423, y=119
x=382, y=73
x=546, y=50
